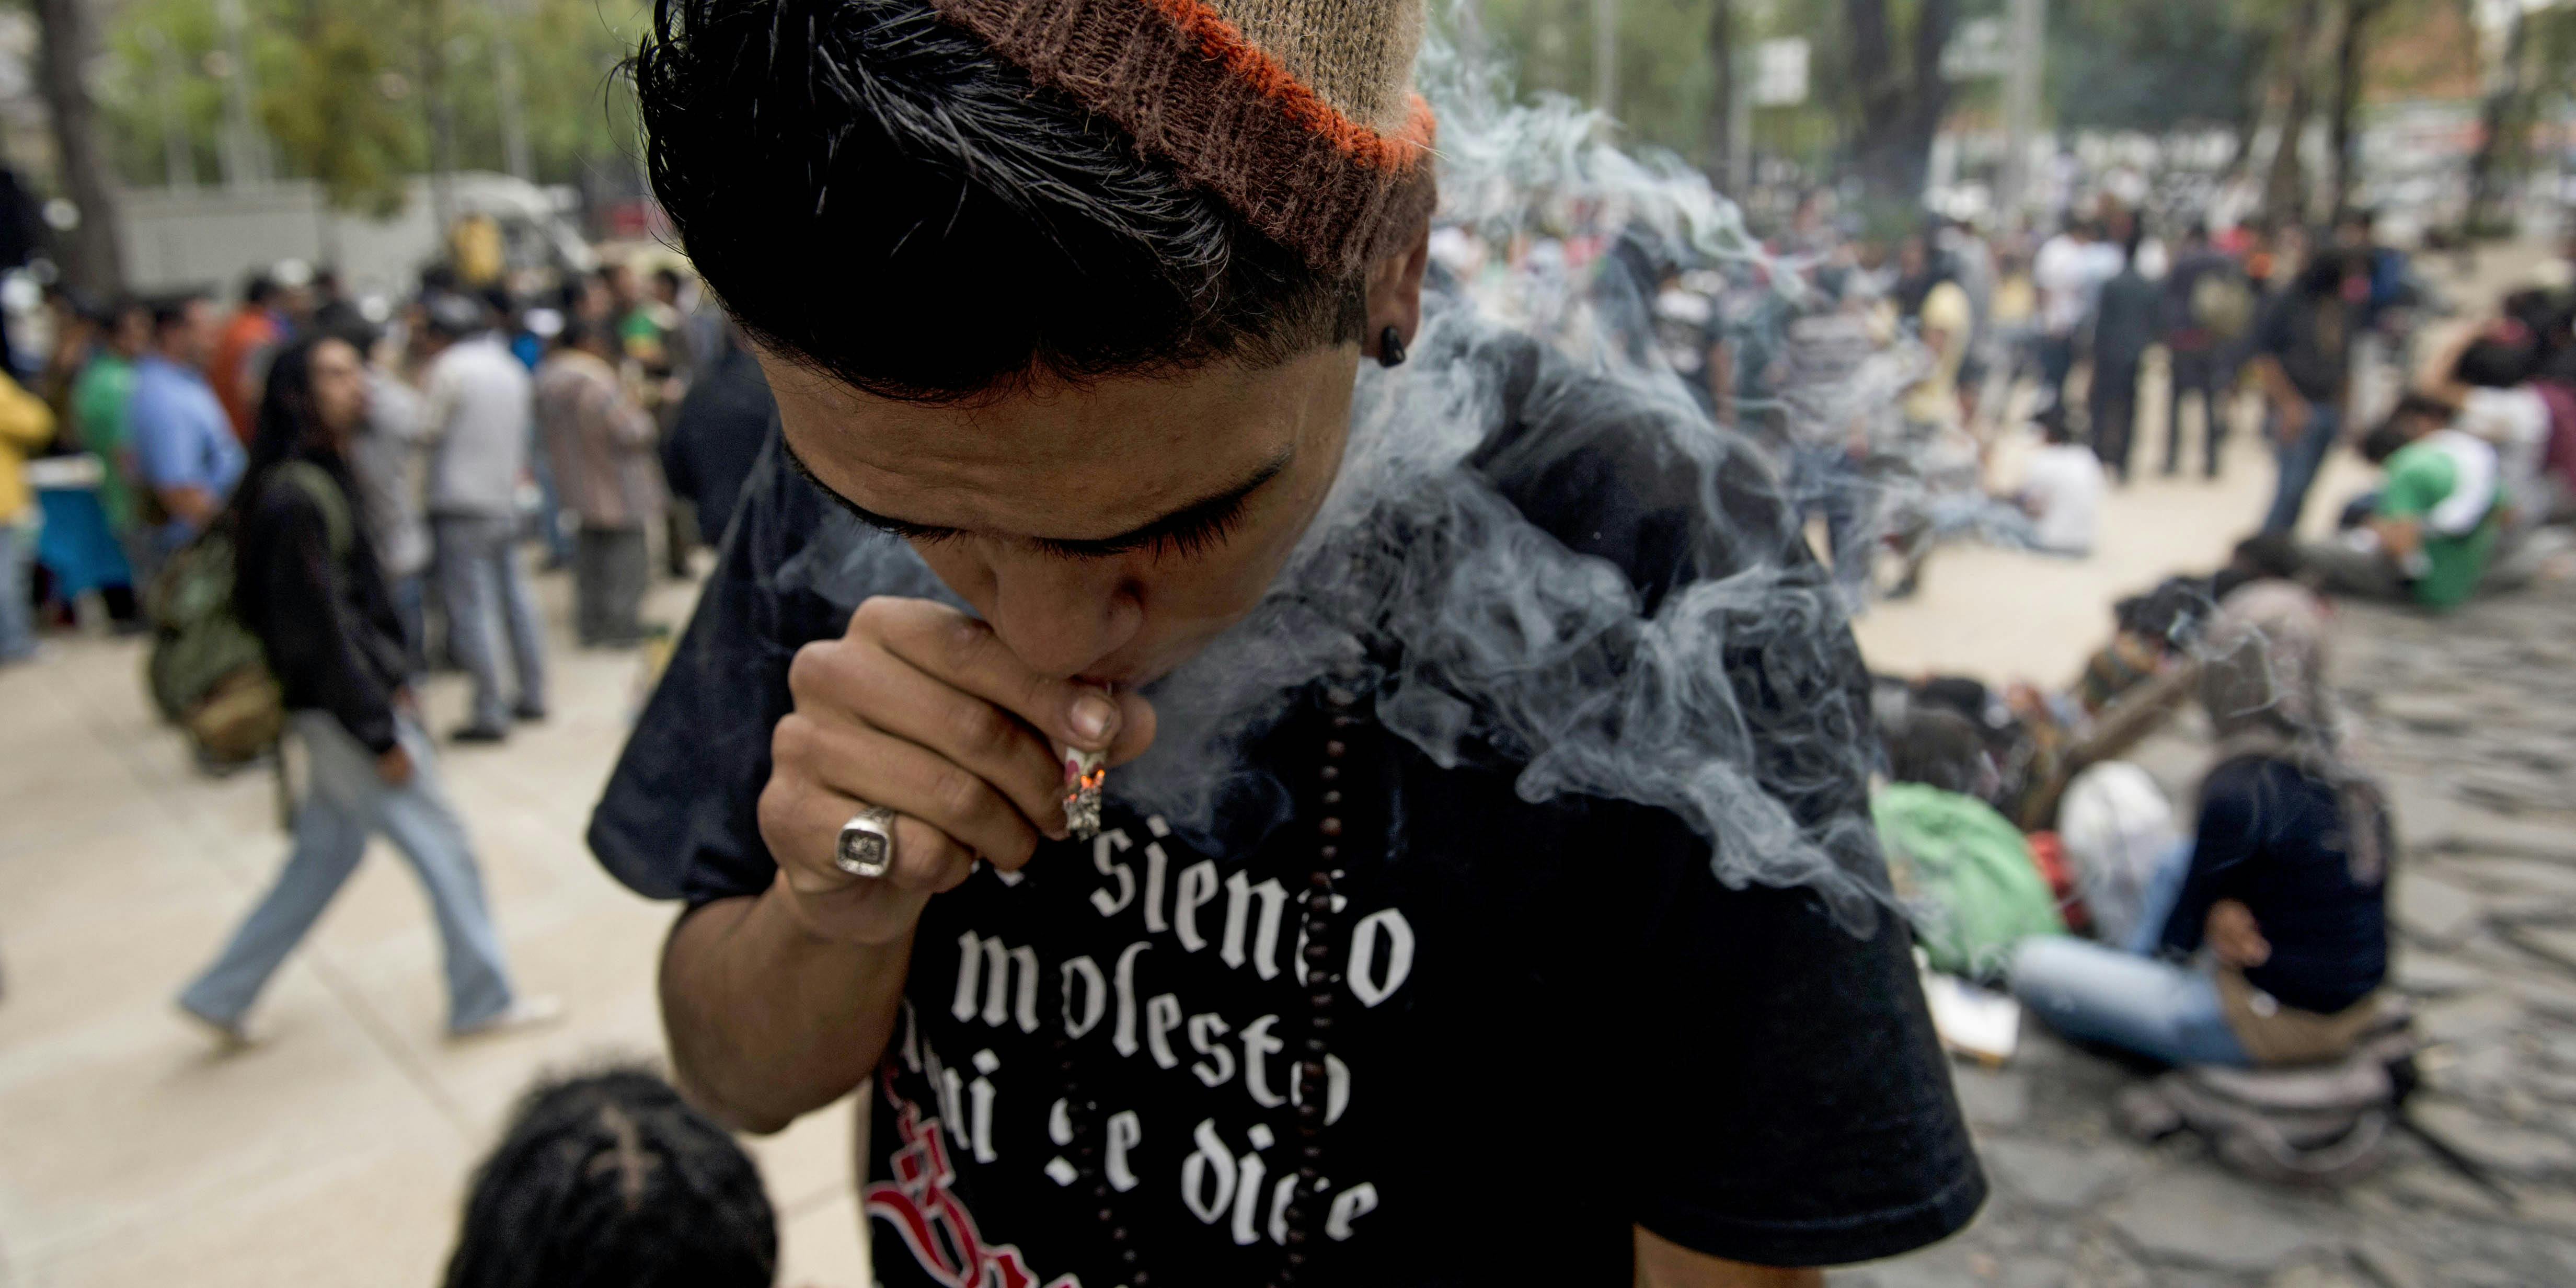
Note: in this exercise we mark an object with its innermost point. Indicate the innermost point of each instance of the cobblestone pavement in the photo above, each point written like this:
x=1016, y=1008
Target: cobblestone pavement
x=2470, y=721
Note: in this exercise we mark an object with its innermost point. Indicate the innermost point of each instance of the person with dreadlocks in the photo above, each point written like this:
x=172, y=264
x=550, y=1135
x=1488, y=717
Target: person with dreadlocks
x=2285, y=883
x=610, y=1180
x=309, y=586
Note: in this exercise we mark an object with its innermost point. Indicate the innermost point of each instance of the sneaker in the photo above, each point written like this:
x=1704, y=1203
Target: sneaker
x=525, y=1013
x=528, y=713
x=228, y=1037
x=479, y=733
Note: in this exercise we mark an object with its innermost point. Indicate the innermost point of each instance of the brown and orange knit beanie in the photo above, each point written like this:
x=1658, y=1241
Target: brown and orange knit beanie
x=1300, y=114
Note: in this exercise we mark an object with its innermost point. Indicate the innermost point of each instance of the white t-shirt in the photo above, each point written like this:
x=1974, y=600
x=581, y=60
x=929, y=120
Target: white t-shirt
x=2065, y=280
x=2063, y=487
x=2516, y=423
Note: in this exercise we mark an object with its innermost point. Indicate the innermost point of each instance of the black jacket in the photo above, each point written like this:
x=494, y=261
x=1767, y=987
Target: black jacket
x=324, y=616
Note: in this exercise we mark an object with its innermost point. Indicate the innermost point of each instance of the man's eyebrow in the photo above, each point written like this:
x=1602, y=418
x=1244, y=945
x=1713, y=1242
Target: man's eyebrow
x=1189, y=523
x=882, y=523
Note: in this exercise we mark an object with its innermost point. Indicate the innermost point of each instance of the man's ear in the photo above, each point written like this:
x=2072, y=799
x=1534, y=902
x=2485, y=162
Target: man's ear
x=1395, y=292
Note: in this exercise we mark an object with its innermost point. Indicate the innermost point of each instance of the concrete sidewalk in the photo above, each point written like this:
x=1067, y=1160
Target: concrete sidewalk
x=336, y=1150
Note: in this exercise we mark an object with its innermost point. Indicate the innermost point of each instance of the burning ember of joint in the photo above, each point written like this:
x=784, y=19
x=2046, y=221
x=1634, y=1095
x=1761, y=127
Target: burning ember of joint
x=1084, y=772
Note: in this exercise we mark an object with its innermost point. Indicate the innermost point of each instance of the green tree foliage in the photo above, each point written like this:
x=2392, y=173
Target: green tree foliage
x=2122, y=65
x=336, y=108
x=345, y=92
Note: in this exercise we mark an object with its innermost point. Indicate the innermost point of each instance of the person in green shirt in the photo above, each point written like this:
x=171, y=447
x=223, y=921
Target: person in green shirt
x=98, y=406
x=2432, y=530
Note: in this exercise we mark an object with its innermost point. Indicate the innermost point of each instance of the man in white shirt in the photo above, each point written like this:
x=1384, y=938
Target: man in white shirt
x=478, y=427
x=2062, y=492
x=2063, y=272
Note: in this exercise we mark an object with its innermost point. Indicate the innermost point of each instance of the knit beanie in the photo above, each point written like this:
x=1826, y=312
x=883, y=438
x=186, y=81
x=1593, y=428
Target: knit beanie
x=1299, y=114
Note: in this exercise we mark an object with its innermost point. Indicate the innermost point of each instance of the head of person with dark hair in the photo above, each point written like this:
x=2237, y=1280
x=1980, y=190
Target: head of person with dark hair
x=312, y=402
x=2053, y=428
x=2415, y=416
x=667, y=284
x=2167, y=617
x=126, y=326
x=589, y=334
x=2324, y=273
x=440, y=279
x=2355, y=229
x=1089, y=344
x=2507, y=355
x=610, y=1180
x=2196, y=234
x=1938, y=748
x=2265, y=556
x=446, y=318
x=259, y=290
x=183, y=329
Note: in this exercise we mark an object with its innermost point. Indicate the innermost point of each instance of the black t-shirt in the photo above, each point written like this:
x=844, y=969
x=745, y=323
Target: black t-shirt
x=1543, y=1011
x=2278, y=842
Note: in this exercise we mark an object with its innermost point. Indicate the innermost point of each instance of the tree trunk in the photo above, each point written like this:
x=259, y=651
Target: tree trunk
x=1898, y=117
x=2285, y=193
x=2349, y=49
x=1721, y=110
x=2251, y=101
x=2498, y=121
x=93, y=257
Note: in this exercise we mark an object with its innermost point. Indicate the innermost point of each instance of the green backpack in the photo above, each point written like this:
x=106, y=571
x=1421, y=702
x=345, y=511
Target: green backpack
x=1966, y=877
x=207, y=672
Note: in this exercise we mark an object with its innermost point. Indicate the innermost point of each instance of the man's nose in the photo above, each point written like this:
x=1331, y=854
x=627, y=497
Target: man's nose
x=1065, y=618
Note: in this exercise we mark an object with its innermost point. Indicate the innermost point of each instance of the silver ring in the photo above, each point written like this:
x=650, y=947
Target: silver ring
x=866, y=848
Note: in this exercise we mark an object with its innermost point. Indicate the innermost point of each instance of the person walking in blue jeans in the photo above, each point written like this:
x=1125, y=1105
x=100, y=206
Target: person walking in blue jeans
x=2285, y=882
x=479, y=423
x=310, y=588
x=2302, y=353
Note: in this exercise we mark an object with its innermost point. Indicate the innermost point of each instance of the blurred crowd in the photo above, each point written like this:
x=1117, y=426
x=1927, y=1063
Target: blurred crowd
x=586, y=437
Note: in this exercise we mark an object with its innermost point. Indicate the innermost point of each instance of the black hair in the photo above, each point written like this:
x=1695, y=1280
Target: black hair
x=453, y=317
x=2387, y=438
x=874, y=192
x=171, y=310
x=2490, y=363
x=578, y=331
x=2053, y=428
x=669, y=276
x=610, y=1180
x=285, y=425
x=2170, y=615
x=2198, y=231
x=258, y=288
x=1938, y=748
x=2324, y=272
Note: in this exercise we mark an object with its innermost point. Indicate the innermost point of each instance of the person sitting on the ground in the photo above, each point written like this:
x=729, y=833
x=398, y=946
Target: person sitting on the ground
x=1963, y=871
x=612, y=1181
x=2284, y=884
x=2061, y=489
x=2491, y=384
x=2432, y=529
x=2128, y=688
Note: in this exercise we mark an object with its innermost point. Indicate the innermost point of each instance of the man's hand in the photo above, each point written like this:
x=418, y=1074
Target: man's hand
x=395, y=766
x=2233, y=935
x=923, y=710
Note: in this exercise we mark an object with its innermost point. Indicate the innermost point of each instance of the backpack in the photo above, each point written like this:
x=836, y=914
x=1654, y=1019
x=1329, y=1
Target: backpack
x=2222, y=304
x=207, y=673
x=2322, y=1124
x=1965, y=876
